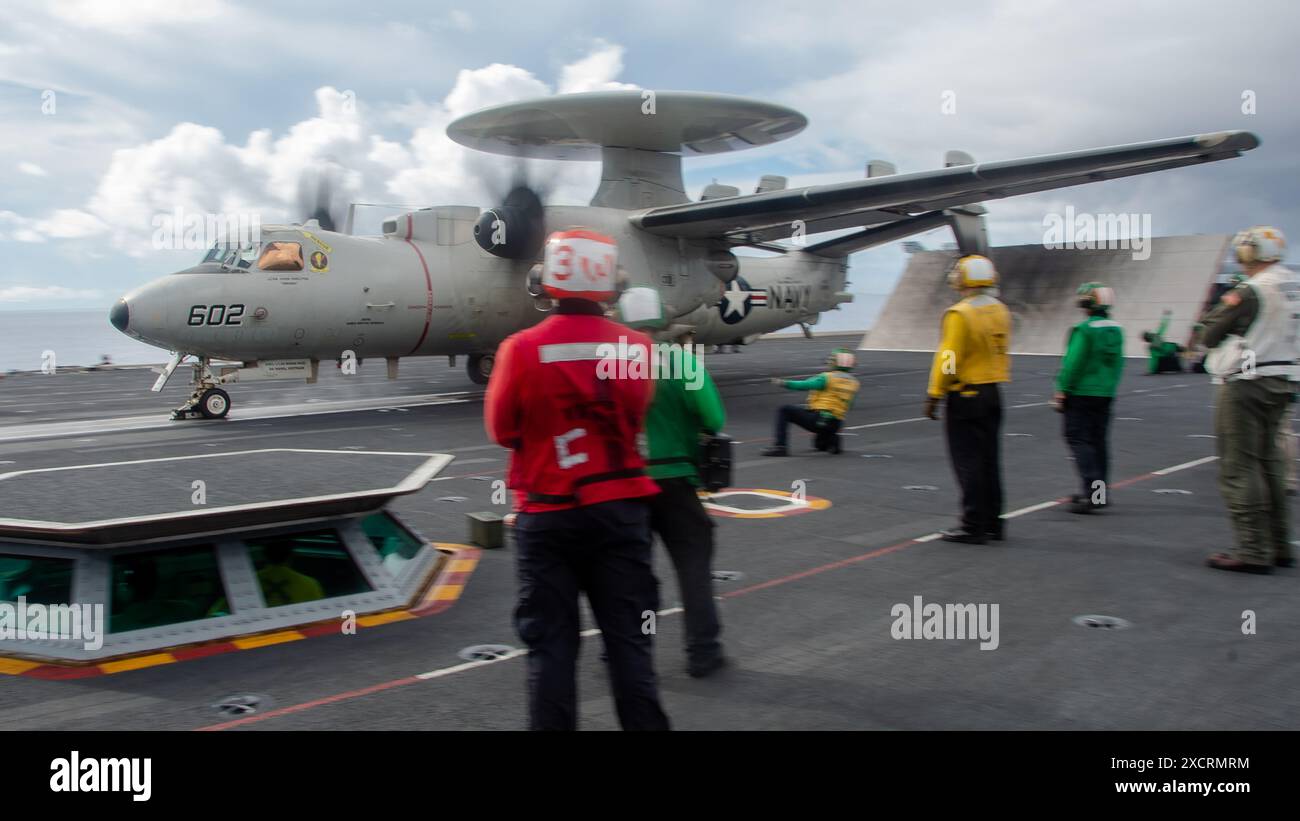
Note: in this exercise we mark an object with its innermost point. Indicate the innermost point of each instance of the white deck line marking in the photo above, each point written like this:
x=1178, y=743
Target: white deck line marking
x=1031, y=509
x=1184, y=466
x=890, y=422
x=929, y=537
x=470, y=665
x=127, y=424
x=417, y=479
x=215, y=456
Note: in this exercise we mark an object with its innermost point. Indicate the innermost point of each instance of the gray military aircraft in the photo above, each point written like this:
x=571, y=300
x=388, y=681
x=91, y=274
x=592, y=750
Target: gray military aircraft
x=451, y=280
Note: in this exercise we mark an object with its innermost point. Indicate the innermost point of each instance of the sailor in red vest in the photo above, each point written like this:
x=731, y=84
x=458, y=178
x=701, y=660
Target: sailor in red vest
x=581, y=490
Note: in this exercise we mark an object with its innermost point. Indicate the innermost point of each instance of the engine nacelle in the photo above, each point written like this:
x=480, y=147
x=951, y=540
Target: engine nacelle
x=514, y=230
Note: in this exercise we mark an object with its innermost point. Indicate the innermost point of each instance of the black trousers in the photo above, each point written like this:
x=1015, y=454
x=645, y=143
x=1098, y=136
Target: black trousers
x=810, y=420
x=602, y=550
x=974, y=425
x=686, y=529
x=1087, y=432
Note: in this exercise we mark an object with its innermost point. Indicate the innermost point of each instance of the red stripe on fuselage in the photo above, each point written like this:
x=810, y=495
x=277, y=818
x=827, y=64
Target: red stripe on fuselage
x=428, y=287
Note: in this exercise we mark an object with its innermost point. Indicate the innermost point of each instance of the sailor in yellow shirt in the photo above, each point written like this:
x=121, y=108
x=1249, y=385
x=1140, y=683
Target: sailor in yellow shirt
x=831, y=396
x=968, y=365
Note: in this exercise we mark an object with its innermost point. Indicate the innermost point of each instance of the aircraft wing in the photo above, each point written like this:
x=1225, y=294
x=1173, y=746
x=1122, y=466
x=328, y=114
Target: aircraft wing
x=759, y=218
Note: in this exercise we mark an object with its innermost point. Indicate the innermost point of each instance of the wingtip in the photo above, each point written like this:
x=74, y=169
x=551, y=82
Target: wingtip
x=1229, y=140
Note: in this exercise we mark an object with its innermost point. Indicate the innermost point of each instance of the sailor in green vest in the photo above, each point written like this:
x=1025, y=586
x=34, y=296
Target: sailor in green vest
x=1085, y=392
x=1253, y=336
x=686, y=404
x=1162, y=354
x=831, y=395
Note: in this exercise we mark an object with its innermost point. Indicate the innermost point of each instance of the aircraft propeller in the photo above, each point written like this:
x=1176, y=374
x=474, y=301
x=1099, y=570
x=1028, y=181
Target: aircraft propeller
x=516, y=228
x=316, y=198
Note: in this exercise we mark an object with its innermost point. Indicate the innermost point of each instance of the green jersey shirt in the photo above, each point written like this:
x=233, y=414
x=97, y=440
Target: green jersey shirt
x=679, y=413
x=1094, y=359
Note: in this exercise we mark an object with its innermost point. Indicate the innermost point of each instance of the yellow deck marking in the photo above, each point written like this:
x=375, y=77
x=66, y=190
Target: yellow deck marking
x=270, y=638
x=137, y=663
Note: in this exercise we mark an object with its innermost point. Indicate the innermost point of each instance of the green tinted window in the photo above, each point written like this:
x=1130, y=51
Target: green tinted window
x=164, y=587
x=302, y=567
x=38, y=579
x=396, y=545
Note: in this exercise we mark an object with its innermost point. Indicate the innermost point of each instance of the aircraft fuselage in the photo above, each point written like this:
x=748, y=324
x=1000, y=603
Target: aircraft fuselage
x=427, y=288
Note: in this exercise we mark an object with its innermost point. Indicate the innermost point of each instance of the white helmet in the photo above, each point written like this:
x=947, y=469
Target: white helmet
x=1259, y=244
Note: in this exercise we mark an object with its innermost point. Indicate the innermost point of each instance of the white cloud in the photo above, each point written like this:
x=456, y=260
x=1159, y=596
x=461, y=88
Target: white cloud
x=595, y=72
x=28, y=293
x=195, y=168
x=32, y=169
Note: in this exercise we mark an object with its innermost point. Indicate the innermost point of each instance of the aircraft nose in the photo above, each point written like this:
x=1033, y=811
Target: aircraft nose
x=120, y=315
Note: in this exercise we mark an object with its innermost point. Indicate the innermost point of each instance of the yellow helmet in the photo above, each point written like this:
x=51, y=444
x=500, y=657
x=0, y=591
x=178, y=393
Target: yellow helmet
x=973, y=271
x=1259, y=244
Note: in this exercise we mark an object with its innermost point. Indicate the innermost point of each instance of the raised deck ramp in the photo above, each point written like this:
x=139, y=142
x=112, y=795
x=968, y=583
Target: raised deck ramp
x=1038, y=284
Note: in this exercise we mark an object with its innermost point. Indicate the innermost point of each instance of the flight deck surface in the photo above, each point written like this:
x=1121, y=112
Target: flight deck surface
x=807, y=600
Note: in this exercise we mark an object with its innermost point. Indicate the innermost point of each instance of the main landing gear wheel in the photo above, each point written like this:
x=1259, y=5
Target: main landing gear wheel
x=479, y=368
x=214, y=404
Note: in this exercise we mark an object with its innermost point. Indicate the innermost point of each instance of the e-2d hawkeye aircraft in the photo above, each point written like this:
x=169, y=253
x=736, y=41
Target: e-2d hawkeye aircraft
x=452, y=280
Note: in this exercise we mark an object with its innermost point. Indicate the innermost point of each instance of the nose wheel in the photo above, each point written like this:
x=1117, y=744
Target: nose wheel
x=207, y=401
x=214, y=403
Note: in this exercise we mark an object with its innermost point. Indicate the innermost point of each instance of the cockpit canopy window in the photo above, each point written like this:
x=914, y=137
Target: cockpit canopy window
x=281, y=256
x=232, y=256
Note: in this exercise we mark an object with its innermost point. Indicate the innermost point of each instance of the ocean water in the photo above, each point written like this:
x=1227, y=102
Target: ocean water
x=75, y=337
x=82, y=337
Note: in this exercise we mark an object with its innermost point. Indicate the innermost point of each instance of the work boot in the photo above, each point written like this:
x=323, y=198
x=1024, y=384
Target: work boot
x=1284, y=561
x=1084, y=505
x=1222, y=561
x=775, y=450
x=998, y=532
x=699, y=668
x=962, y=536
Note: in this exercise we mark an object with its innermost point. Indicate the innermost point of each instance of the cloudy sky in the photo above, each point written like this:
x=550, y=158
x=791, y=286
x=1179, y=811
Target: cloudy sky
x=114, y=112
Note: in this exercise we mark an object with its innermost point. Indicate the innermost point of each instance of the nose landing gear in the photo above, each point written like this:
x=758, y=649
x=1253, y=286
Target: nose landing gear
x=207, y=401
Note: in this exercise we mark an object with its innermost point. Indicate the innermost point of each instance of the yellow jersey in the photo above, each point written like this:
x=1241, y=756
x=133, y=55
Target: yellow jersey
x=837, y=396
x=973, y=346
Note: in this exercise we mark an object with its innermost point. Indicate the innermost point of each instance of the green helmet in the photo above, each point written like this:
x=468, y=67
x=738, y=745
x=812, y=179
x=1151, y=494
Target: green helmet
x=841, y=359
x=1094, y=296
